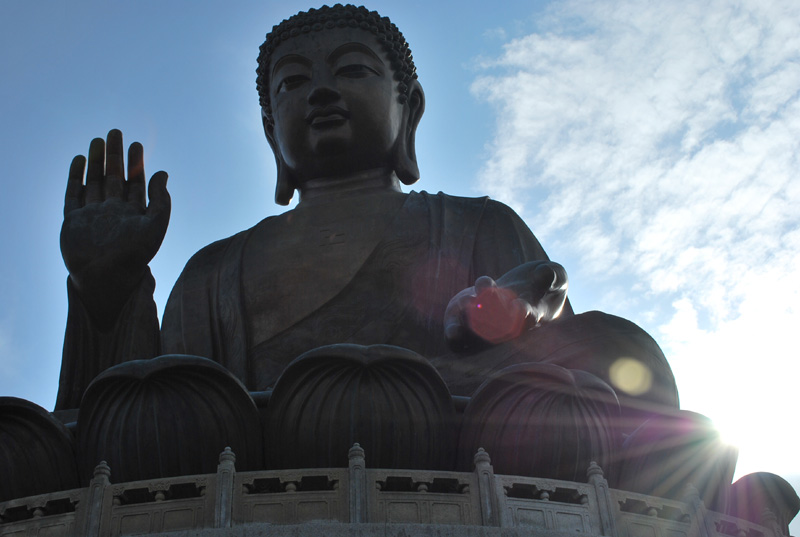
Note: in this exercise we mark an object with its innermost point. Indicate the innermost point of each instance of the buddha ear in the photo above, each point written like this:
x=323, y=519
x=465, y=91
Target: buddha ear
x=285, y=185
x=405, y=155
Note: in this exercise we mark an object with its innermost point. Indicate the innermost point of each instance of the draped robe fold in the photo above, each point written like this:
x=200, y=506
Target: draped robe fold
x=435, y=246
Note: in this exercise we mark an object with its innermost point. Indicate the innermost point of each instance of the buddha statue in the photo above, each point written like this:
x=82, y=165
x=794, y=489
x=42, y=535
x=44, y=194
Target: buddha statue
x=460, y=283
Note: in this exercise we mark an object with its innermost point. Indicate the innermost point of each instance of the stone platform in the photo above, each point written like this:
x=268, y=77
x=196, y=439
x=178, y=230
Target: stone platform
x=360, y=501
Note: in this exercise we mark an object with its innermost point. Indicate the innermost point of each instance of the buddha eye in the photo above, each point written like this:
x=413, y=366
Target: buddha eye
x=356, y=70
x=290, y=82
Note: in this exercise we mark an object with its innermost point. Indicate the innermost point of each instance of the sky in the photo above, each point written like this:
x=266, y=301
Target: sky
x=653, y=148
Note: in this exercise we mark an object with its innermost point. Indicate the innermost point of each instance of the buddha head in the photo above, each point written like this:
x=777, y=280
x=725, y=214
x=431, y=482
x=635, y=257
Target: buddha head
x=339, y=97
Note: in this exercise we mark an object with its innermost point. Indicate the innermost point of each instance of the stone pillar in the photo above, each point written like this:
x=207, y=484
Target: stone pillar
x=487, y=489
x=605, y=503
x=358, y=485
x=90, y=521
x=700, y=524
x=223, y=506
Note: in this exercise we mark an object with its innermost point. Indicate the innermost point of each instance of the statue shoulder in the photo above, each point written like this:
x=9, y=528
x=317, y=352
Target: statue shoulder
x=492, y=214
x=450, y=201
x=211, y=266
x=213, y=272
x=482, y=205
x=212, y=257
x=502, y=212
x=503, y=239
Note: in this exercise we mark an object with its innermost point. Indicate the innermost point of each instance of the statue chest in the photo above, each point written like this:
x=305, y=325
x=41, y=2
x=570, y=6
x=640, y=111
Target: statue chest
x=297, y=262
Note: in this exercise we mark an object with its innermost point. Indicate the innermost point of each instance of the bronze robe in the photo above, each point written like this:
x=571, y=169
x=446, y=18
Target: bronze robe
x=435, y=247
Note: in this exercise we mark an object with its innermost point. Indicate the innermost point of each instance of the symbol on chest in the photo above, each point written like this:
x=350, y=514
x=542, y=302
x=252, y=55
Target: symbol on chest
x=329, y=237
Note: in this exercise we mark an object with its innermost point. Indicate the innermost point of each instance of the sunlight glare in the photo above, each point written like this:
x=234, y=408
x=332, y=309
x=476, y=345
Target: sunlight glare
x=631, y=376
x=732, y=431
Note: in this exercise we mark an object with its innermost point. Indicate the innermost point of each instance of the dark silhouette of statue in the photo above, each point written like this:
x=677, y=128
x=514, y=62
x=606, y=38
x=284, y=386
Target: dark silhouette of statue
x=421, y=325
x=461, y=281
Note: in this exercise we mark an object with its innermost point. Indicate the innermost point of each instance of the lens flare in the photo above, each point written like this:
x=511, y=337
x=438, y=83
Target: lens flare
x=631, y=376
x=496, y=316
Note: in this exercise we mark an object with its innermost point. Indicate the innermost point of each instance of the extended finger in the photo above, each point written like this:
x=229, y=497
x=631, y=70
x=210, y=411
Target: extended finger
x=455, y=315
x=158, y=210
x=160, y=202
x=115, y=167
x=483, y=283
x=72, y=198
x=545, y=275
x=136, y=181
x=454, y=332
x=95, y=171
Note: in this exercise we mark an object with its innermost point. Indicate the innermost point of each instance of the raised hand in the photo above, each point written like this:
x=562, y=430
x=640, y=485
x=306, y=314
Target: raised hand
x=492, y=312
x=110, y=233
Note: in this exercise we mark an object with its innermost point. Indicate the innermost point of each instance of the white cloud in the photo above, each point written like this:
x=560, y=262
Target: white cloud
x=496, y=33
x=666, y=140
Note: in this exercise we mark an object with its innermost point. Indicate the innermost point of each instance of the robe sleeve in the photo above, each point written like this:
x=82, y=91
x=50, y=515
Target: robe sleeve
x=205, y=314
x=204, y=317
x=504, y=242
x=88, y=350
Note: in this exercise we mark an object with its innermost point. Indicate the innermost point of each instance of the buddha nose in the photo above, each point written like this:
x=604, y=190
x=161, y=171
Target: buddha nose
x=322, y=95
x=323, y=92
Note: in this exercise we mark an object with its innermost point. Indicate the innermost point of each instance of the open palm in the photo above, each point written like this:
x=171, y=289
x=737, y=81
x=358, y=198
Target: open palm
x=109, y=233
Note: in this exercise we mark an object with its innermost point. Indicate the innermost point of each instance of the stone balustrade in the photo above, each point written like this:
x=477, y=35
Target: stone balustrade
x=363, y=501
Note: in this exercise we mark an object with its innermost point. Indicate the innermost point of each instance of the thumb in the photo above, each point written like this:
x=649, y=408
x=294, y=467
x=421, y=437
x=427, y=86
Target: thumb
x=160, y=201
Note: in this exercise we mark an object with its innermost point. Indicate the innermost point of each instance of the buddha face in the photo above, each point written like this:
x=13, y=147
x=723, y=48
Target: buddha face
x=334, y=104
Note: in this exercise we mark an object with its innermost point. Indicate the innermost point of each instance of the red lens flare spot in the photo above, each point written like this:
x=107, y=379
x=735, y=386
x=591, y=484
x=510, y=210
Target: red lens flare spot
x=496, y=316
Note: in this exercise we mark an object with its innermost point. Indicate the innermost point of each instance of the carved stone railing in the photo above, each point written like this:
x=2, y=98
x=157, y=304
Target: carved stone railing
x=377, y=498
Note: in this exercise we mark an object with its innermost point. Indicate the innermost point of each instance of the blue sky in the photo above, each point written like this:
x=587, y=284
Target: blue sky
x=652, y=148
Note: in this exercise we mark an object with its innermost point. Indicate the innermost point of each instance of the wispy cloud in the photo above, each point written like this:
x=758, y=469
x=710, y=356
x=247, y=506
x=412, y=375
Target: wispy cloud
x=659, y=145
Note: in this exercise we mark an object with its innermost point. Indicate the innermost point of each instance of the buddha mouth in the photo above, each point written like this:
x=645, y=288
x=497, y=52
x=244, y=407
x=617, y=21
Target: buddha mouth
x=328, y=116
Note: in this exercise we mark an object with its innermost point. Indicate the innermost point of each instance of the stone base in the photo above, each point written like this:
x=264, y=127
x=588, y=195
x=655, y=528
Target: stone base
x=361, y=501
x=333, y=529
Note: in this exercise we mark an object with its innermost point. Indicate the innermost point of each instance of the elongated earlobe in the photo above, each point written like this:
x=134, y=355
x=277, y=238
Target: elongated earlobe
x=405, y=153
x=284, y=188
x=285, y=185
